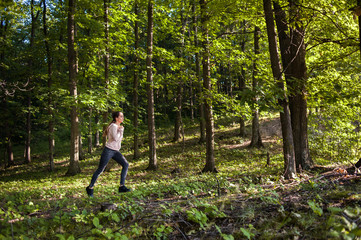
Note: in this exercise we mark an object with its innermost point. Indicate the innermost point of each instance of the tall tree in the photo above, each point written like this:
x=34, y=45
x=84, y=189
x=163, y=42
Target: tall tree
x=150, y=92
x=49, y=58
x=242, y=80
x=34, y=17
x=178, y=118
x=106, y=60
x=256, y=133
x=288, y=148
x=202, y=123
x=359, y=25
x=74, y=166
x=292, y=44
x=136, y=82
x=207, y=86
x=5, y=90
x=97, y=134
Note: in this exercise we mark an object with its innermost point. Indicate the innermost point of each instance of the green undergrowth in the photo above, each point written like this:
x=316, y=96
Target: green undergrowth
x=246, y=199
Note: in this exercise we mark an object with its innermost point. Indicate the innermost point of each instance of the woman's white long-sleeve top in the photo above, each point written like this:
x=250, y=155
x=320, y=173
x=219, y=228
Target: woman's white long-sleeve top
x=115, y=137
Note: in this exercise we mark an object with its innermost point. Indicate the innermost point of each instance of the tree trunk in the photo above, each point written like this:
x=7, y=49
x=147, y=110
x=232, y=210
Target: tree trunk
x=256, y=134
x=27, y=156
x=191, y=97
x=90, y=132
x=7, y=119
x=293, y=54
x=359, y=26
x=81, y=152
x=150, y=92
x=136, y=83
x=288, y=147
x=106, y=61
x=8, y=143
x=178, y=119
x=97, y=133
x=49, y=57
x=74, y=167
x=242, y=85
x=207, y=85
x=10, y=153
x=202, y=122
x=230, y=82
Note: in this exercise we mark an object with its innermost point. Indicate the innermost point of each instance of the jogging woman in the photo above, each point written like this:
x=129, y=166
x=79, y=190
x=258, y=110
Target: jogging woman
x=114, y=133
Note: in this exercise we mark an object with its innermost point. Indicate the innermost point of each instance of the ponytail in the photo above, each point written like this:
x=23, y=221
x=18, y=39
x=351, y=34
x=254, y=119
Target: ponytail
x=114, y=116
x=105, y=132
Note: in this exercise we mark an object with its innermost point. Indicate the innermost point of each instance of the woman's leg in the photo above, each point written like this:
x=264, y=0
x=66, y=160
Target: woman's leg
x=104, y=159
x=124, y=163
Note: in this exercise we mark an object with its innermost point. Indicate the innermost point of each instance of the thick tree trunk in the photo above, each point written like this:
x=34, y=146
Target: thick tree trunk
x=256, y=134
x=51, y=140
x=288, y=147
x=294, y=64
x=136, y=83
x=74, y=167
x=207, y=85
x=202, y=122
x=150, y=92
x=8, y=145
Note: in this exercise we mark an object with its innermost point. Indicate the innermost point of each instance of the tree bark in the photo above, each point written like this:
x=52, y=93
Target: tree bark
x=49, y=57
x=293, y=54
x=178, y=118
x=97, y=133
x=202, y=122
x=242, y=87
x=8, y=142
x=207, y=86
x=136, y=83
x=288, y=147
x=81, y=152
x=242, y=84
x=150, y=92
x=359, y=26
x=90, y=132
x=74, y=167
x=256, y=134
x=179, y=98
x=106, y=61
x=27, y=155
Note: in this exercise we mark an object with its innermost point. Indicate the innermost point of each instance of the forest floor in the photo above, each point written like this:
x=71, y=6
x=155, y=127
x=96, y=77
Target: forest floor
x=247, y=199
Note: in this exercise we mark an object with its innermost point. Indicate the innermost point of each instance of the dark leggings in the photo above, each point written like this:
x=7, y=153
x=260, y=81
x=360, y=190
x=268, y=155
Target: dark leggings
x=107, y=154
